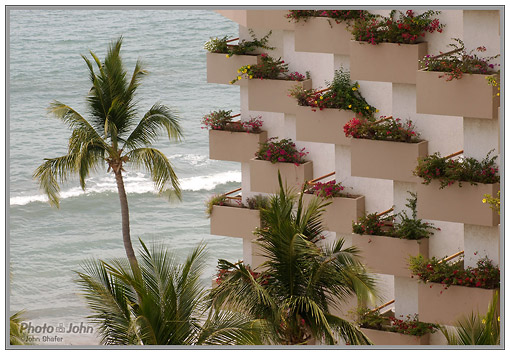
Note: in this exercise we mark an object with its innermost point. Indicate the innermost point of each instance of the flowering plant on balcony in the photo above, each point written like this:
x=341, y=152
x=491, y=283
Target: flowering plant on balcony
x=407, y=28
x=398, y=226
x=449, y=171
x=387, y=129
x=410, y=325
x=280, y=151
x=484, y=275
x=222, y=120
x=341, y=94
x=268, y=68
x=327, y=190
x=338, y=15
x=225, y=270
x=215, y=200
x=256, y=202
x=458, y=62
x=494, y=202
x=220, y=45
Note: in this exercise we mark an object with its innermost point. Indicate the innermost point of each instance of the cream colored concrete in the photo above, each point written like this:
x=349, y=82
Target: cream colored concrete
x=234, y=221
x=221, y=70
x=264, y=175
x=273, y=95
x=234, y=146
x=323, y=126
x=380, y=337
x=322, y=35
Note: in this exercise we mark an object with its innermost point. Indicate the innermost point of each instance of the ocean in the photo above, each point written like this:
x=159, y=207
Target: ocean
x=47, y=245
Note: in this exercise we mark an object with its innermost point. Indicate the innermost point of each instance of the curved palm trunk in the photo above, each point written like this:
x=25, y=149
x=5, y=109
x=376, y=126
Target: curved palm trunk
x=125, y=221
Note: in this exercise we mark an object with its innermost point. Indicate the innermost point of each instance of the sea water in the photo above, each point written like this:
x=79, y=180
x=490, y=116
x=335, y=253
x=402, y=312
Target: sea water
x=47, y=245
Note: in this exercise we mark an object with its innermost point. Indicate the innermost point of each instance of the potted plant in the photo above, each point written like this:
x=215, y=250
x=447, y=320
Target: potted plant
x=223, y=59
x=384, y=149
x=386, y=241
x=389, y=48
x=320, y=113
x=386, y=329
x=323, y=31
x=453, y=190
x=230, y=217
x=343, y=209
x=232, y=140
x=447, y=289
x=270, y=92
x=455, y=83
x=279, y=155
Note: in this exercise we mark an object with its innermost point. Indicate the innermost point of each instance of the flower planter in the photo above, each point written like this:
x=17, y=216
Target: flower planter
x=273, y=95
x=322, y=35
x=470, y=96
x=341, y=212
x=389, y=62
x=440, y=306
x=457, y=204
x=387, y=255
x=264, y=19
x=264, y=175
x=386, y=159
x=381, y=337
x=221, y=70
x=323, y=126
x=234, y=221
x=234, y=146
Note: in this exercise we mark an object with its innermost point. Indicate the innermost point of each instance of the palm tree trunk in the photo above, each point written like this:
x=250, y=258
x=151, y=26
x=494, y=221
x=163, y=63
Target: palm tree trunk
x=125, y=221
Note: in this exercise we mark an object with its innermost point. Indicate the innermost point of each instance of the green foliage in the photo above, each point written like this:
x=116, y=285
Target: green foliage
x=449, y=171
x=494, y=202
x=454, y=65
x=220, y=45
x=268, y=68
x=476, y=329
x=292, y=292
x=217, y=119
x=17, y=335
x=159, y=303
x=341, y=94
x=399, y=226
x=257, y=202
x=407, y=28
x=338, y=15
x=216, y=200
x=484, y=275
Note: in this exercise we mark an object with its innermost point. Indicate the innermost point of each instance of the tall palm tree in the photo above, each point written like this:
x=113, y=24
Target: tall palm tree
x=113, y=135
x=18, y=335
x=160, y=304
x=294, y=290
x=476, y=329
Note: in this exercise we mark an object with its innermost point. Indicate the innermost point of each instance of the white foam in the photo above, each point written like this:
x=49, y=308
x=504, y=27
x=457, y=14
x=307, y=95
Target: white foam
x=135, y=183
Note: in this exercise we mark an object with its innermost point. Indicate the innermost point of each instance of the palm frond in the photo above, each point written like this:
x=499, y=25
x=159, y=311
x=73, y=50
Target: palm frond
x=159, y=118
x=159, y=167
x=347, y=331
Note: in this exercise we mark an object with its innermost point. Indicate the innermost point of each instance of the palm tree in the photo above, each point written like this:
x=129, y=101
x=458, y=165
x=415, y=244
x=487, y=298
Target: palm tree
x=476, y=329
x=112, y=135
x=18, y=335
x=293, y=291
x=162, y=303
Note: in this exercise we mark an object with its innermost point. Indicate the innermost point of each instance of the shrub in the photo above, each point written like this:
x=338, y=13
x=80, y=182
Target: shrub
x=341, y=93
x=216, y=200
x=399, y=226
x=494, y=202
x=484, y=275
x=280, y=151
x=449, y=171
x=222, y=120
x=257, y=202
x=455, y=64
x=267, y=68
x=327, y=189
x=220, y=45
x=407, y=28
x=387, y=129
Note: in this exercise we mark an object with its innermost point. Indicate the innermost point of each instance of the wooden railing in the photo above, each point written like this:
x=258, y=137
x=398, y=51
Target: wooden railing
x=453, y=154
x=238, y=197
x=393, y=300
x=311, y=182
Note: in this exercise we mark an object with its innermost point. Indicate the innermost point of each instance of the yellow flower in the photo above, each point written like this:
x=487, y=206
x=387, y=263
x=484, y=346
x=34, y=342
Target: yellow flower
x=238, y=70
x=322, y=98
x=350, y=106
x=251, y=76
x=315, y=101
x=248, y=67
x=231, y=82
x=354, y=89
x=484, y=200
x=228, y=56
x=376, y=110
x=497, y=94
x=357, y=86
x=245, y=70
x=498, y=318
x=238, y=78
x=483, y=321
x=366, y=108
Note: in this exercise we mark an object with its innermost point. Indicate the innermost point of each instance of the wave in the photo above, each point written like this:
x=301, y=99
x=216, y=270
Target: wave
x=135, y=183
